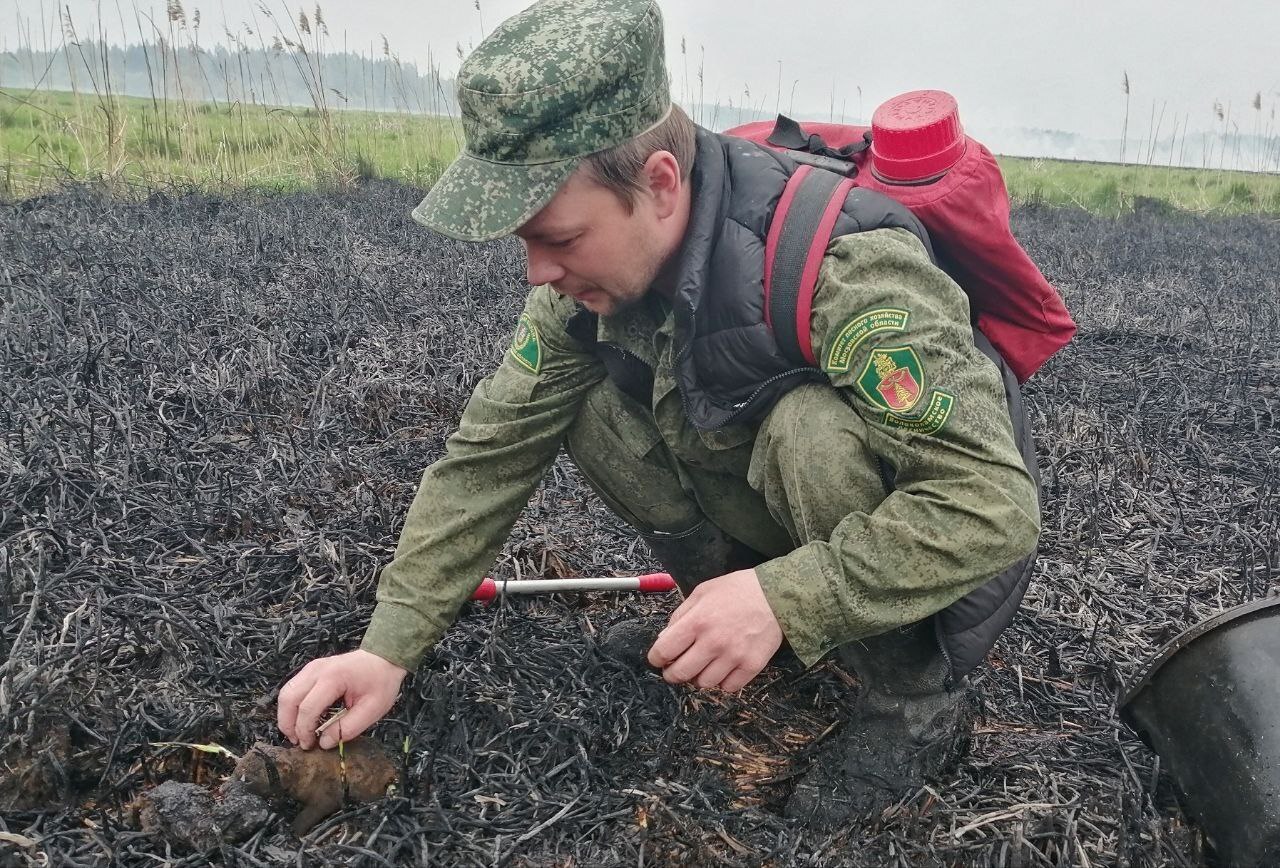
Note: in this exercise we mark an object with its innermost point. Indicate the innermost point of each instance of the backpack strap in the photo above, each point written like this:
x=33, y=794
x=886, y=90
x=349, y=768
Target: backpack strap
x=797, y=239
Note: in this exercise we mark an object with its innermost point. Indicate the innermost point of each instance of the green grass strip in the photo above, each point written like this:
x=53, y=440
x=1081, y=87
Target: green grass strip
x=47, y=138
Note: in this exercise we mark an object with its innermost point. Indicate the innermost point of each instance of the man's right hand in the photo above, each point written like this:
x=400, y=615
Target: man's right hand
x=366, y=683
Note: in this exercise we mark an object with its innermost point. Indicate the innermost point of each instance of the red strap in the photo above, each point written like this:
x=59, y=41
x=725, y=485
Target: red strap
x=775, y=231
x=806, y=243
x=812, y=265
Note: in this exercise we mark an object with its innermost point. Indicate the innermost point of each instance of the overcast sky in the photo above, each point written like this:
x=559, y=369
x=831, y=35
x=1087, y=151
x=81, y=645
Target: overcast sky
x=1027, y=63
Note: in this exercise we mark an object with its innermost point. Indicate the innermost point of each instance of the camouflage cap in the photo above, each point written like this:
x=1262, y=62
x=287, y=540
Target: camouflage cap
x=559, y=81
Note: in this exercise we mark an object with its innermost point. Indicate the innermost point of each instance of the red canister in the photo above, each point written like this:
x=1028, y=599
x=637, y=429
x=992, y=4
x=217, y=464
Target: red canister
x=920, y=156
x=916, y=137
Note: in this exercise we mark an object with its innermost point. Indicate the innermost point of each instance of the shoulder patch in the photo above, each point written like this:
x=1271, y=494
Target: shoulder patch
x=930, y=421
x=893, y=378
x=869, y=324
x=526, y=349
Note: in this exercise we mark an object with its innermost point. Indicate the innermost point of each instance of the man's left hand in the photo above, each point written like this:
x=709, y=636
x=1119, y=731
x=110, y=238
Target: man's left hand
x=722, y=635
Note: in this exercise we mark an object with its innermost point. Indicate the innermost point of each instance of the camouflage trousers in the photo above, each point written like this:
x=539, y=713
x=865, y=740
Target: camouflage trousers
x=792, y=492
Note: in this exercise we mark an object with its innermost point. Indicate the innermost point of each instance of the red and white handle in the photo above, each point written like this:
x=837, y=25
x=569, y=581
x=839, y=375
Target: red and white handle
x=649, y=583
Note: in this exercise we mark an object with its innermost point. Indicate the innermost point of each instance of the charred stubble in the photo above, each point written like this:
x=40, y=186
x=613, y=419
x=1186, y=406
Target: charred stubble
x=214, y=415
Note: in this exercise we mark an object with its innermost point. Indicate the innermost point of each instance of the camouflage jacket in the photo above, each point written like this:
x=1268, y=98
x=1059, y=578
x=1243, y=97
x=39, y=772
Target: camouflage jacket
x=963, y=504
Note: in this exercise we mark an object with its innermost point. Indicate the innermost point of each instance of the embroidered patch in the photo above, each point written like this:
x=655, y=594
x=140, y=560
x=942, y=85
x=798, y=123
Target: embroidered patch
x=893, y=378
x=882, y=320
x=928, y=422
x=525, y=346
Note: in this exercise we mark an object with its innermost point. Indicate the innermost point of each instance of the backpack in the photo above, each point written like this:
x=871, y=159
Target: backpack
x=954, y=188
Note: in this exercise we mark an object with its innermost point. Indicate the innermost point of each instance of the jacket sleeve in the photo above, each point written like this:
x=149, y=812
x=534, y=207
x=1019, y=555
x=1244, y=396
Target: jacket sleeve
x=892, y=331
x=469, y=499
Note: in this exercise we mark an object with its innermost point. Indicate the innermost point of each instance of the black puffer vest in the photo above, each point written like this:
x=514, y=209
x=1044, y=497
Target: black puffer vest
x=730, y=368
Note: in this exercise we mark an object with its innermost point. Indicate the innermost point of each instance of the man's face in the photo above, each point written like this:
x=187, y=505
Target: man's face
x=587, y=245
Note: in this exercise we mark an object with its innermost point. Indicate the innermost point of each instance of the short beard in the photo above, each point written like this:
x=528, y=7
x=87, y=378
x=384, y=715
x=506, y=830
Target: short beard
x=621, y=305
x=632, y=295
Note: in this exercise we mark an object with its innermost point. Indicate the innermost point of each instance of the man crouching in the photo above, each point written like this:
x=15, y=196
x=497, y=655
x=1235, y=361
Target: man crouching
x=881, y=505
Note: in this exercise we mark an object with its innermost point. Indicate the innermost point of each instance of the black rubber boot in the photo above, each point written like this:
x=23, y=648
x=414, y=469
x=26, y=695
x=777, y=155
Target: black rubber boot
x=905, y=728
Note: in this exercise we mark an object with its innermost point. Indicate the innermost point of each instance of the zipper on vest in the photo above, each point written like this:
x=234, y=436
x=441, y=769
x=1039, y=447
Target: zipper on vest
x=681, y=354
x=740, y=408
x=949, y=678
x=737, y=411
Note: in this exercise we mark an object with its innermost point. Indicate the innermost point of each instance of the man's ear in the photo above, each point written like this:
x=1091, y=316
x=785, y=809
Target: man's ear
x=665, y=183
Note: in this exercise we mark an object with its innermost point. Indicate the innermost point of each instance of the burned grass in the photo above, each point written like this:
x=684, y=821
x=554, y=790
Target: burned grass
x=213, y=416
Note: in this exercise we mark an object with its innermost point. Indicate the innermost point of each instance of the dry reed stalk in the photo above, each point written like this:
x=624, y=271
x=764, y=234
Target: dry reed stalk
x=1124, y=130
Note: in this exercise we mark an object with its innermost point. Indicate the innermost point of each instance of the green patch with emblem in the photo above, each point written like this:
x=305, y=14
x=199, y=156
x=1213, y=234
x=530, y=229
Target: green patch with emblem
x=882, y=320
x=930, y=421
x=893, y=378
x=526, y=349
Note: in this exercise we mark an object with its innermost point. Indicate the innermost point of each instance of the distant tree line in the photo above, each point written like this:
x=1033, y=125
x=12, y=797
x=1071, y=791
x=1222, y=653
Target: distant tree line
x=274, y=74
x=305, y=71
